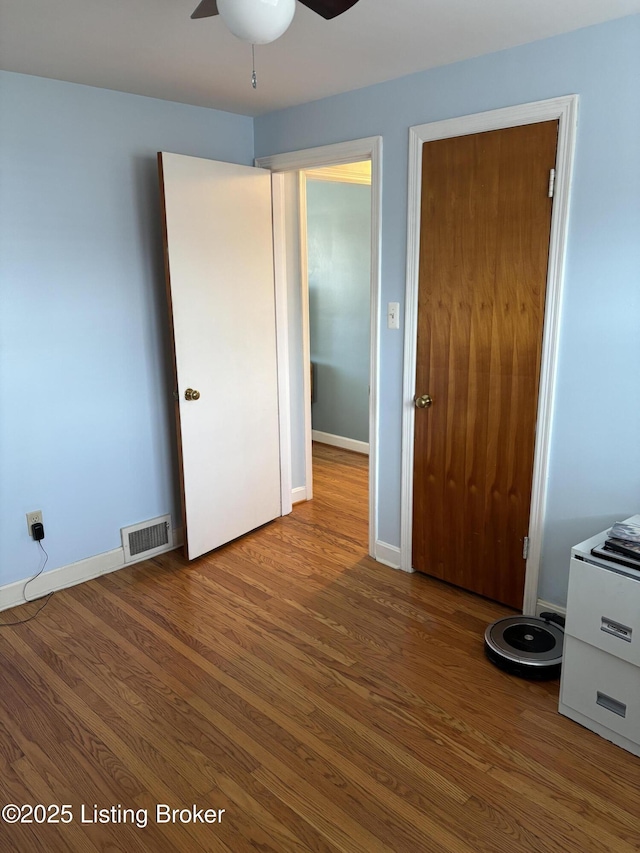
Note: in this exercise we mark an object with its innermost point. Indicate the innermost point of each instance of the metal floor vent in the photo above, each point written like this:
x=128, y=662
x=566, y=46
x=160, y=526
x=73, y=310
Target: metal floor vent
x=148, y=538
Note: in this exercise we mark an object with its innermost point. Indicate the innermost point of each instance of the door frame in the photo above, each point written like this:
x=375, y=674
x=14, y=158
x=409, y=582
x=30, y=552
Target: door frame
x=565, y=110
x=369, y=148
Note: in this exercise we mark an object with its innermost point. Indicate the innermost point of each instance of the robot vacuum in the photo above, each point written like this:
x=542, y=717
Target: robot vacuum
x=527, y=646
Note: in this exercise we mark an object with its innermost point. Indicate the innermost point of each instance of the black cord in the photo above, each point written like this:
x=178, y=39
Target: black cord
x=24, y=594
x=555, y=618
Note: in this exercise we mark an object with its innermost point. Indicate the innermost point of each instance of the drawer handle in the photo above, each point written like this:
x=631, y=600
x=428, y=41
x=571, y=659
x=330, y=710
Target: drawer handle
x=611, y=704
x=623, y=632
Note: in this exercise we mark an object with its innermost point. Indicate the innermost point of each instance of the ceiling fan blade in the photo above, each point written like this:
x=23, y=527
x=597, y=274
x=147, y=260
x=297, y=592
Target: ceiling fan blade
x=329, y=8
x=206, y=9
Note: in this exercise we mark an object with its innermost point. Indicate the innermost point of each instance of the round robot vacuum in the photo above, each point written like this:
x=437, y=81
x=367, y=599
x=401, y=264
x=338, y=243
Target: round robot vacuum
x=525, y=646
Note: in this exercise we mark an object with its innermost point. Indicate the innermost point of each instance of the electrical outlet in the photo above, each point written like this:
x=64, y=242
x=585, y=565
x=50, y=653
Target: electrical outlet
x=34, y=518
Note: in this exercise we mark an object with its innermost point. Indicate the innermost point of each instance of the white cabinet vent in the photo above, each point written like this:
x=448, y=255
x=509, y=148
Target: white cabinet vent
x=141, y=541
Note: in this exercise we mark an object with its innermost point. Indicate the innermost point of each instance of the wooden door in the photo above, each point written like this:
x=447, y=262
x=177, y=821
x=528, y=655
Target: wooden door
x=219, y=265
x=485, y=228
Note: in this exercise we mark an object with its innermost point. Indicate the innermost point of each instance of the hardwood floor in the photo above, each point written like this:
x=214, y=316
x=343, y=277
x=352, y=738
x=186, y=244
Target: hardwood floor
x=324, y=701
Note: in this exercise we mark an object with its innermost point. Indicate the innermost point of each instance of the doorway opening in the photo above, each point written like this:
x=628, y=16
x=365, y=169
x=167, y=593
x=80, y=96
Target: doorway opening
x=316, y=186
x=335, y=243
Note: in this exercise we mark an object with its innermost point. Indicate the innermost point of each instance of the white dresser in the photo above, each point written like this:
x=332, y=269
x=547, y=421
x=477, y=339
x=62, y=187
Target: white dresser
x=600, y=682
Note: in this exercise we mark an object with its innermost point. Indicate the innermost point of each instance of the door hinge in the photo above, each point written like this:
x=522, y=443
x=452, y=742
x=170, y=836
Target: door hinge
x=525, y=548
x=552, y=182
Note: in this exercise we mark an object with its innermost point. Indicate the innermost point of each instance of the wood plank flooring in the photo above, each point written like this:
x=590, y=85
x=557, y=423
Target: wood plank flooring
x=324, y=701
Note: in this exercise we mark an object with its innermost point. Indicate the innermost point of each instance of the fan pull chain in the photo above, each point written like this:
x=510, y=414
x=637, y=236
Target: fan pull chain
x=254, y=77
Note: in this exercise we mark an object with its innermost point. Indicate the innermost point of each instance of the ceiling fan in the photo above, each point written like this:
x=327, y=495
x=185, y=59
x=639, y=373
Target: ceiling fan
x=263, y=21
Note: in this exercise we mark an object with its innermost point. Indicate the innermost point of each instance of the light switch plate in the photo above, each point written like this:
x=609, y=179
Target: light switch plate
x=393, y=315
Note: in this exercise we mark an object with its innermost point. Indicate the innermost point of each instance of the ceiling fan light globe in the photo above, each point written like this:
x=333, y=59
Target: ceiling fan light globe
x=257, y=21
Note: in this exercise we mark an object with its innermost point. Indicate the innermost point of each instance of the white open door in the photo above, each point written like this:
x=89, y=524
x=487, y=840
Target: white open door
x=220, y=282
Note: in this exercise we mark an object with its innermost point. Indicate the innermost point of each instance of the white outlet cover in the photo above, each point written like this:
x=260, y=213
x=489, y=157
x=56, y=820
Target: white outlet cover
x=34, y=517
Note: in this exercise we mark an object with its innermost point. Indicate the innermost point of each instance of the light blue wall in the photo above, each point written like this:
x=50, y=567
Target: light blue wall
x=595, y=462
x=82, y=310
x=339, y=265
x=86, y=413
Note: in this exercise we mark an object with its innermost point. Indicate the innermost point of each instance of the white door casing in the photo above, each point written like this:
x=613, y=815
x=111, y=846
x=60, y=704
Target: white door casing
x=219, y=258
x=565, y=109
x=369, y=148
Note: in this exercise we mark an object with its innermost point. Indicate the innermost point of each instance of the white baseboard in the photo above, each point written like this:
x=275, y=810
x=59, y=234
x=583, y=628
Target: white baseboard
x=298, y=494
x=389, y=555
x=544, y=606
x=12, y=594
x=340, y=441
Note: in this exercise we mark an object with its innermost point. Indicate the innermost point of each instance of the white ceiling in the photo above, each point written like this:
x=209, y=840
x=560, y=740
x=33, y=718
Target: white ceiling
x=152, y=47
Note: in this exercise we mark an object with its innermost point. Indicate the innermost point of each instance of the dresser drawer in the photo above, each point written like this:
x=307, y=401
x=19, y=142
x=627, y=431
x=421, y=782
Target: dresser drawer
x=602, y=687
x=603, y=608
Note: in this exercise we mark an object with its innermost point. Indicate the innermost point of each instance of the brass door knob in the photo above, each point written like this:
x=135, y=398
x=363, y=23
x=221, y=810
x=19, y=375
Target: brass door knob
x=423, y=402
x=191, y=394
